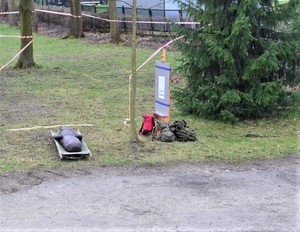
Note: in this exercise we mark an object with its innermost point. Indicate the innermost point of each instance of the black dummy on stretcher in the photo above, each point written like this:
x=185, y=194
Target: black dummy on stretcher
x=69, y=139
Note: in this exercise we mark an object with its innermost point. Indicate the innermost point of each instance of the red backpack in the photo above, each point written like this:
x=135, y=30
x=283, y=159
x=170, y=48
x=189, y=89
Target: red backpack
x=147, y=125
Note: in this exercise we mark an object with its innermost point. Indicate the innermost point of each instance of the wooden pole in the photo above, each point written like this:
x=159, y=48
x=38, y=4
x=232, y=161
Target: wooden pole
x=132, y=79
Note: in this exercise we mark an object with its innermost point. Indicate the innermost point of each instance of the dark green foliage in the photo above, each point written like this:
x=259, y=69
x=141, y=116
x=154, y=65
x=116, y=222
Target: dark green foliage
x=236, y=62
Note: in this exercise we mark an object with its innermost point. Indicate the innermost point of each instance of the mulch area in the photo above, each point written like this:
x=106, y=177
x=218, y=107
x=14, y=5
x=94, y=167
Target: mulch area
x=151, y=42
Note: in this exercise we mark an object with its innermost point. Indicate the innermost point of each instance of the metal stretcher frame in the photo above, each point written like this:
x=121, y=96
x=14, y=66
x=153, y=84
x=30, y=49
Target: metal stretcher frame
x=63, y=154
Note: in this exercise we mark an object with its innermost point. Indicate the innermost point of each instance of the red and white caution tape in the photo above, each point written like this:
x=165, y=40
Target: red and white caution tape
x=103, y=19
x=58, y=13
x=115, y=21
x=53, y=12
x=45, y=11
x=140, y=22
x=156, y=52
x=16, y=36
x=23, y=49
x=11, y=12
x=161, y=48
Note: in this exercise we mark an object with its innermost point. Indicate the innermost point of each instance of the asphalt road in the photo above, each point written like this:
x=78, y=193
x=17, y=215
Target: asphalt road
x=260, y=196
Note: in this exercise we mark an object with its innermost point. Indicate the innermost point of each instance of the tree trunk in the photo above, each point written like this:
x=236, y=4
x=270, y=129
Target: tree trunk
x=132, y=80
x=76, y=20
x=26, y=57
x=12, y=17
x=114, y=30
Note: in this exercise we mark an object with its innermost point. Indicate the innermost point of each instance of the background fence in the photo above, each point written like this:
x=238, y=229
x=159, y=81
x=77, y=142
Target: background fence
x=124, y=13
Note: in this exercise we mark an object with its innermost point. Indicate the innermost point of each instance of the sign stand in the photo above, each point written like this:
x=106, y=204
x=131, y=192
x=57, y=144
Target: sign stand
x=162, y=90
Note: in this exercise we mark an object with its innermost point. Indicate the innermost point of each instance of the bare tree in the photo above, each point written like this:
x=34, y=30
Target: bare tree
x=132, y=79
x=114, y=30
x=26, y=57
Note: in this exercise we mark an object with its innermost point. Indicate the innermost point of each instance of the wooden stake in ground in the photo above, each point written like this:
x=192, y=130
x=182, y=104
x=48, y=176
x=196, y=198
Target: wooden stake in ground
x=132, y=79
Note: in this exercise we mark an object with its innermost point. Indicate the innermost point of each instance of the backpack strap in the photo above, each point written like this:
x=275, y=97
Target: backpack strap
x=141, y=129
x=154, y=133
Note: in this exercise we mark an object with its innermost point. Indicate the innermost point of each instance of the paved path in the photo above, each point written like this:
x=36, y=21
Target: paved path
x=261, y=196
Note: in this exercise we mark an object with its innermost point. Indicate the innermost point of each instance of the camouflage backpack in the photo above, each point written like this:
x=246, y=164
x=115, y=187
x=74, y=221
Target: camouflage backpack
x=182, y=131
x=163, y=133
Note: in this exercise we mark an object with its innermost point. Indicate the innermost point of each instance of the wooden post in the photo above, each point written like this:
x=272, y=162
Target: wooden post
x=164, y=55
x=132, y=79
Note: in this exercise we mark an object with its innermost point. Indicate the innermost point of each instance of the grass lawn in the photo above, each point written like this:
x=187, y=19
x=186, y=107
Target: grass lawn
x=80, y=83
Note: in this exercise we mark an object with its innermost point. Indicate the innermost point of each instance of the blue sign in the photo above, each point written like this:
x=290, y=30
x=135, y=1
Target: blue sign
x=162, y=88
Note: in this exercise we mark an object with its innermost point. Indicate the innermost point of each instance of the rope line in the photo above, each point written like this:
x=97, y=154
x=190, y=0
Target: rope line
x=11, y=12
x=53, y=12
x=159, y=49
x=16, y=36
x=103, y=19
x=156, y=52
x=47, y=127
x=23, y=49
x=139, y=22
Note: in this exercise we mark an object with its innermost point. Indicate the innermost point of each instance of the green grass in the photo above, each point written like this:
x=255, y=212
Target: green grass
x=83, y=83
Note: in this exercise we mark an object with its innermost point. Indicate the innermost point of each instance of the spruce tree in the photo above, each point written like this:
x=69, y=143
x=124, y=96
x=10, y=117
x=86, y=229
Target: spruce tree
x=235, y=60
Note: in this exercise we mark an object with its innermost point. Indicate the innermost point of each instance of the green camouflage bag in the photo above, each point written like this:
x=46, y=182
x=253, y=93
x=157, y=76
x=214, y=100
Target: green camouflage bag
x=166, y=135
x=183, y=132
x=162, y=132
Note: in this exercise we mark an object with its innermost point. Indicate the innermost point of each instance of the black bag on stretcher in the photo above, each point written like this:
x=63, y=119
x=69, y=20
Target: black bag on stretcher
x=69, y=139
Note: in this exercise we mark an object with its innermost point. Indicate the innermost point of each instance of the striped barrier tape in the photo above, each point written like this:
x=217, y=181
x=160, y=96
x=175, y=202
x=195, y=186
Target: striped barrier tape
x=53, y=12
x=107, y=20
x=11, y=12
x=16, y=36
x=58, y=13
x=161, y=48
x=116, y=21
x=139, y=22
x=23, y=49
x=44, y=11
x=156, y=52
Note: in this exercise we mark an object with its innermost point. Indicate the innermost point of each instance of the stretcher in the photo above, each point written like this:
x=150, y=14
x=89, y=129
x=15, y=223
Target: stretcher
x=63, y=154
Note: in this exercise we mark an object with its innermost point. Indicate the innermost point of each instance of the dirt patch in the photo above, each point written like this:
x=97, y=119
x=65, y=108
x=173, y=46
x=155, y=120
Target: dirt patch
x=52, y=30
x=14, y=182
x=152, y=42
